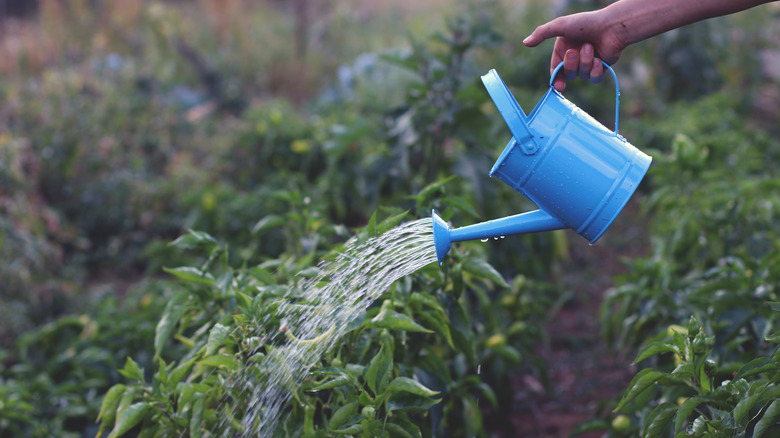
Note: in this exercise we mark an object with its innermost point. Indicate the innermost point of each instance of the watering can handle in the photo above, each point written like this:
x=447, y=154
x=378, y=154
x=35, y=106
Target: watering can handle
x=617, y=89
x=511, y=111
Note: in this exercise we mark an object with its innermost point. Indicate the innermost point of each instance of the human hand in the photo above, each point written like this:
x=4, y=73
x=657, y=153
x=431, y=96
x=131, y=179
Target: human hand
x=582, y=42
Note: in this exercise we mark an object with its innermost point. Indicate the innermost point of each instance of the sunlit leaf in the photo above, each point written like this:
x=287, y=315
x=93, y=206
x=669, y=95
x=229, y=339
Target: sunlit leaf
x=132, y=370
x=217, y=336
x=480, y=268
x=268, y=222
x=191, y=274
x=412, y=386
x=129, y=418
x=219, y=360
x=333, y=383
x=194, y=239
x=108, y=406
x=390, y=319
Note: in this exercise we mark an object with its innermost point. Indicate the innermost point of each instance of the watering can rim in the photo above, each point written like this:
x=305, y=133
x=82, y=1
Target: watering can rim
x=617, y=90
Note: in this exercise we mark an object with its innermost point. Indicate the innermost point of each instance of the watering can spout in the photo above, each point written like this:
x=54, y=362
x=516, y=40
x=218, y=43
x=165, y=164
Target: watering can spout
x=530, y=222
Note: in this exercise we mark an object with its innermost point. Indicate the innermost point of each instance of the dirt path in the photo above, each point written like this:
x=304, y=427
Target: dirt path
x=586, y=378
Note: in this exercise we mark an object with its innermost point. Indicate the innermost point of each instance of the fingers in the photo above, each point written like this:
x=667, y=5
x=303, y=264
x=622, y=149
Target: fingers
x=597, y=71
x=586, y=61
x=579, y=60
x=580, y=63
x=571, y=62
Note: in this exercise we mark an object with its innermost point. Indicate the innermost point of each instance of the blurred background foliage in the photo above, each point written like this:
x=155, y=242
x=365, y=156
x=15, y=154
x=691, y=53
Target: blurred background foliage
x=282, y=127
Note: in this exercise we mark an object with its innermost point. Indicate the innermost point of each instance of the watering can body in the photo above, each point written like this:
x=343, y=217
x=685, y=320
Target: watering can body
x=578, y=172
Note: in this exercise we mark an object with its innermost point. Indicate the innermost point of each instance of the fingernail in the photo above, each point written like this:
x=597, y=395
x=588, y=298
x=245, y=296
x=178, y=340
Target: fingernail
x=527, y=39
x=587, y=48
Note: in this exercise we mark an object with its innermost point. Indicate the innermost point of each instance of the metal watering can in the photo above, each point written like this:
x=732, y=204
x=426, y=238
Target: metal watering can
x=578, y=172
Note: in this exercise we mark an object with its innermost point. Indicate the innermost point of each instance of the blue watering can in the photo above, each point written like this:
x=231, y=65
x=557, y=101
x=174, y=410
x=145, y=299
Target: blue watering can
x=579, y=173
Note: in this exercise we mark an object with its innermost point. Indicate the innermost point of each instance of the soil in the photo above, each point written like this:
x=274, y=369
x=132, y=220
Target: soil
x=586, y=377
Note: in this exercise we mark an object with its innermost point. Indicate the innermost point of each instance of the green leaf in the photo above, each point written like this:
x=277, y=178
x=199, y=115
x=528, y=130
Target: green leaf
x=462, y=335
x=217, y=336
x=685, y=411
x=755, y=366
x=402, y=428
x=186, y=391
x=193, y=239
x=365, y=399
x=177, y=374
x=642, y=381
x=342, y=415
x=509, y=352
x=108, y=407
x=659, y=420
x=412, y=386
x=480, y=268
x=337, y=381
x=130, y=418
x=196, y=418
x=392, y=222
x=472, y=416
x=704, y=380
x=742, y=409
x=126, y=400
x=219, y=360
x=590, y=426
x=349, y=430
x=411, y=403
x=438, y=320
x=132, y=370
x=655, y=348
x=268, y=222
x=165, y=327
x=487, y=392
x=770, y=417
x=371, y=226
x=426, y=194
x=380, y=368
x=162, y=372
x=189, y=274
x=390, y=319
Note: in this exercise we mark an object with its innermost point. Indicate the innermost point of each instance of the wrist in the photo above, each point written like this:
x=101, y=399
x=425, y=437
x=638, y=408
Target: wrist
x=619, y=24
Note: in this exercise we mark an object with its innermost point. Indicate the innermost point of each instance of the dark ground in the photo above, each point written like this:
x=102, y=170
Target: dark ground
x=586, y=377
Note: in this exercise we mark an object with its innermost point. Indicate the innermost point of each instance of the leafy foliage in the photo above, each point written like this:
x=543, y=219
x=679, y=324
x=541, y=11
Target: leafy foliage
x=168, y=154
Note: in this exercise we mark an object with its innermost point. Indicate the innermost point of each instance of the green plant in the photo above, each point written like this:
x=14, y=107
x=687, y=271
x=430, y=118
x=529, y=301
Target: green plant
x=695, y=399
x=52, y=380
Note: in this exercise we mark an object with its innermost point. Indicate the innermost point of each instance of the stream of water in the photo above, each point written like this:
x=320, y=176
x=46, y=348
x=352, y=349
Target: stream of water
x=322, y=309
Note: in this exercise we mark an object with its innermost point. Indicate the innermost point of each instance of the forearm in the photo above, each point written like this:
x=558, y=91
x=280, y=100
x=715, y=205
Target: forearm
x=637, y=20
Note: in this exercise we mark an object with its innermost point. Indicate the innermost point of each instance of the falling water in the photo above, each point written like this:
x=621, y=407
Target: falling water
x=319, y=313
